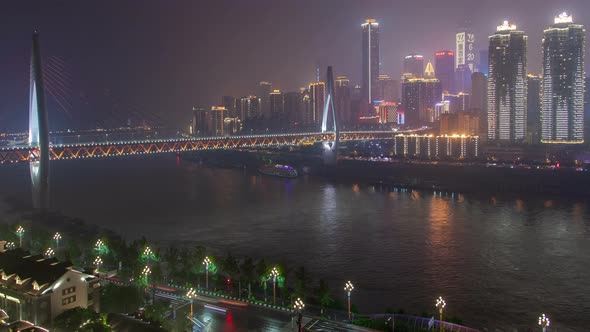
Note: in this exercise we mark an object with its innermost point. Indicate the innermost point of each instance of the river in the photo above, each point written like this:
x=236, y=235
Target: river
x=499, y=261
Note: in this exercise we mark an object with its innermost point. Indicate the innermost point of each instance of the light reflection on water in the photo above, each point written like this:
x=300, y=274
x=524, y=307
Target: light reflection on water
x=498, y=261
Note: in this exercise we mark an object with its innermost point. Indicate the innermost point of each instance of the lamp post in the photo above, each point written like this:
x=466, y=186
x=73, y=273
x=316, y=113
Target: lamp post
x=98, y=263
x=147, y=252
x=10, y=245
x=191, y=294
x=57, y=237
x=146, y=274
x=274, y=273
x=49, y=252
x=440, y=304
x=99, y=245
x=348, y=288
x=544, y=322
x=206, y=261
x=20, y=232
x=299, y=305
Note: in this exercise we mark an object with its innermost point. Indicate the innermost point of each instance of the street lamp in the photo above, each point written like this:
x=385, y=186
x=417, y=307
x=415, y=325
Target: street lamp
x=49, y=252
x=348, y=288
x=191, y=294
x=206, y=261
x=57, y=237
x=10, y=245
x=544, y=322
x=20, y=232
x=440, y=304
x=99, y=244
x=98, y=263
x=299, y=305
x=148, y=252
x=274, y=273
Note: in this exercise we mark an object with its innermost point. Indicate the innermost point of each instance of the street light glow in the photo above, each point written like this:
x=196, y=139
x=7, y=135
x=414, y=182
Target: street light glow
x=49, y=252
x=206, y=261
x=146, y=271
x=57, y=236
x=299, y=305
x=348, y=287
x=97, y=261
x=544, y=321
x=440, y=303
x=191, y=293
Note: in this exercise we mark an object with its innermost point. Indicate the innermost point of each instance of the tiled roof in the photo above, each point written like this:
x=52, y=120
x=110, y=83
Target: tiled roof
x=37, y=268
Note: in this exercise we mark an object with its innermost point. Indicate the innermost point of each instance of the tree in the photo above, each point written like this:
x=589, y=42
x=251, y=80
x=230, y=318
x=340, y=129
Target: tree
x=81, y=320
x=324, y=295
x=231, y=268
x=247, y=268
x=120, y=298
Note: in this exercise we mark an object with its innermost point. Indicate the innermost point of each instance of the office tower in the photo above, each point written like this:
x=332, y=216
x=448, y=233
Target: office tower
x=458, y=102
x=218, y=114
x=248, y=108
x=533, y=101
x=342, y=103
x=479, y=95
x=414, y=64
x=441, y=108
x=229, y=103
x=482, y=66
x=305, y=116
x=201, y=122
x=465, y=48
x=292, y=107
x=387, y=88
x=370, y=55
x=462, y=123
x=231, y=126
x=277, y=102
x=419, y=95
x=507, y=90
x=317, y=94
x=263, y=92
x=463, y=78
x=562, y=115
x=444, y=66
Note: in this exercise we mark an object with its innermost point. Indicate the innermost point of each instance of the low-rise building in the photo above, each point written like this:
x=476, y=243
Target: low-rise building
x=37, y=289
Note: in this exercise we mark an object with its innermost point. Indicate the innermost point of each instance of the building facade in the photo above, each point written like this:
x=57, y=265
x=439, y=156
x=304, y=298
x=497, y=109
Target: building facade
x=450, y=147
x=414, y=65
x=479, y=94
x=201, y=122
x=263, y=92
x=444, y=66
x=507, y=88
x=465, y=48
x=370, y=60
x=342, y=101
x=533, y=101
x=419, y=96
x=317, y=95
x=218, y=114
x=562, y=115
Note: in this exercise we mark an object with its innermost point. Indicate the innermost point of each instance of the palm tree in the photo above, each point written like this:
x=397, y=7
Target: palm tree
x=247, y=269
x=324, y=295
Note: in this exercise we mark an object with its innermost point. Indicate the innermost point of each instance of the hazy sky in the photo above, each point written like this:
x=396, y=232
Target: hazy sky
x=162, y=57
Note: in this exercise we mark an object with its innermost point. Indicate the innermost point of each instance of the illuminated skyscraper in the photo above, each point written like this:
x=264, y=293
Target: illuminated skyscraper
x=248, y=108
x=388, y=88
x=201, y=122
x=277, y=102
x=479, y=95
x=444, y=66
x=263, y=92
x=419, y=96
x=229, y=103
x=533, y=102
x=562, y=115
x=218, y=114
x=342, y=102
x=465, y=48
x=370, y=70
x=317, y=95
x=507, y=84
x=414, y=64
x=292, y=107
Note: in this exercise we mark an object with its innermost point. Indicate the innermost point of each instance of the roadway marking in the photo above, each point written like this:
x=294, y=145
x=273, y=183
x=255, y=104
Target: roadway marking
x=325, y=326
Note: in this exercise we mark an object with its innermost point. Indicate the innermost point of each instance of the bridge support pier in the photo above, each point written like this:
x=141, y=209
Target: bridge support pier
x=330, y=151
x=38, y=132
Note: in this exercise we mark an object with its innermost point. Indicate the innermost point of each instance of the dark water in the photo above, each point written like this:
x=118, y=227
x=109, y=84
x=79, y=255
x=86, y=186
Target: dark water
x=499, y=262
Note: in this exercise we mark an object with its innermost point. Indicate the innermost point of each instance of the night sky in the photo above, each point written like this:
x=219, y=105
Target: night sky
x=159, y=58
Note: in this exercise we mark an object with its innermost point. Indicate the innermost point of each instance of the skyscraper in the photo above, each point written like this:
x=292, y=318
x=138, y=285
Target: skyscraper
x=277, y=102
x=463, y=78
x=370, y=49
x=414, y=64
x=507, y=90
x=419, y=96
x=342, y=102
x=387, y=88
x=218, y=114
x=562, y=115
x=479, y=95
x=317, y=95
x=201, y=122
x=482, y=66
x=292, y=107
x=465, y=48
x=533, y=102
x=248, y=108
x=263, y=92
x=229, y=103
x=444, y=66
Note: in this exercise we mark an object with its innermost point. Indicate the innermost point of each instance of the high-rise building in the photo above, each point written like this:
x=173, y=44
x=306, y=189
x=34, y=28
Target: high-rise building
x=387, y=88
x=444, y=66
x=482, y=66
x=201, y=122
x=507, y=88
x=342, y=103
x=533, y=102
x=277, y=102
x=465, y=48
x=263, y=92
x=305, y=116
x=248, y=108
x=414, y=64
x=458, y=102
x=231, y=126
x=370, y=49
x=441, y=108
x=317, y=94
x=479, y=95
x=218, y=114
x=462, y=123
x=387, y=112
x=562, y=115
x=463, y=79
x=229, y=103
x=292, y=107
x=419, y=96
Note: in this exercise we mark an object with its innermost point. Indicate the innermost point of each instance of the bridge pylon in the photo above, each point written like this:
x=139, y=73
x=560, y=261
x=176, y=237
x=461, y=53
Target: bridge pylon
x=330, y=154
x=38, y=131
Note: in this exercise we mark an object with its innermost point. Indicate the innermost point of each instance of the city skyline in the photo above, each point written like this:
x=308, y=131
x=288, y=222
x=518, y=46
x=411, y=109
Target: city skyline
x=199, y=80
